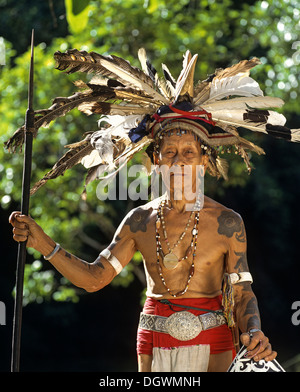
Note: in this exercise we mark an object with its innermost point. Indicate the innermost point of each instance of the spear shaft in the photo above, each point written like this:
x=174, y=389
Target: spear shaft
x=21, y=256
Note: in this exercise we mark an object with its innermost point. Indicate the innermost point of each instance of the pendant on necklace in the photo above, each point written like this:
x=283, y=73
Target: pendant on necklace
x=170, y=260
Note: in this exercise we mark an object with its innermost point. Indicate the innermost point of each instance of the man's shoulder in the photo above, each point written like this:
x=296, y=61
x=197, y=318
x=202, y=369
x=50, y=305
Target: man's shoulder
x=218, y=209
x=229, y=222
x=138, y=217
x=143, y=208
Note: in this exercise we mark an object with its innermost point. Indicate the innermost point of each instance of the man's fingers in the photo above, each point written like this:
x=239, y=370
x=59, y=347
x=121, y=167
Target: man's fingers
x=23, y=218
x=21, y=231
x=271, y=356
x=13, y=216
x=253, y=353
x=16, y=219
x=255, y=342
x=20, y=225
x=20, y=234
x=20, y=238
x=258, y=346
x=245, y=339
x=267, y=354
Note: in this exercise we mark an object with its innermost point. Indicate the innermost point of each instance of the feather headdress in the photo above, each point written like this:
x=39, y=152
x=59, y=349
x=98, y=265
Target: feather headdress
x=137, y=107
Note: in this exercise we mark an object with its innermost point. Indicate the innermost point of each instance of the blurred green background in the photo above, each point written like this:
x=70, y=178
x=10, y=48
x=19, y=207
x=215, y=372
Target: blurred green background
x=64, y=328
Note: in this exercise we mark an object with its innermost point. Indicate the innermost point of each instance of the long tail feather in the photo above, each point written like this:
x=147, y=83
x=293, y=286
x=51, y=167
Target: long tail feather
x=243, y=66
x=113, y=109
x=243, y=103
x=67, y=161
x=109, y=66
x=60, y=107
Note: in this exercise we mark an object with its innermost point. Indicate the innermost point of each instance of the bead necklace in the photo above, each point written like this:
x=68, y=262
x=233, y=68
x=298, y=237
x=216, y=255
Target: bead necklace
x=193, y=247
x=170, y=260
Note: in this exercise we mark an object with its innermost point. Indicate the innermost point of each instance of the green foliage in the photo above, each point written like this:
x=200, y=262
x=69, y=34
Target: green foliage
x=40, y=285
x=221, y=32
x=77, y=14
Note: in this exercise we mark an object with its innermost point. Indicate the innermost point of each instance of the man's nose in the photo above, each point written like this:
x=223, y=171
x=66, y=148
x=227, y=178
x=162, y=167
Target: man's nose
x=178, y=160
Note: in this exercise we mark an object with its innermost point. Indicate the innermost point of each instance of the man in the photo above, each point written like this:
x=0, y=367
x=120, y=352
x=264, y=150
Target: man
x=198, y=281
x=221, y=246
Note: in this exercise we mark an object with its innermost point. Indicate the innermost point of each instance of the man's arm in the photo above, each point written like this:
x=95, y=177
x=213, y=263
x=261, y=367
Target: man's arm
x=89, y=276
x=246, y=307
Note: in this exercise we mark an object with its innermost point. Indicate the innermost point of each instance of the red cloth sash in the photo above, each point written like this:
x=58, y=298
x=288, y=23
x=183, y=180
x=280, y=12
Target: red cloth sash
x=219, y=338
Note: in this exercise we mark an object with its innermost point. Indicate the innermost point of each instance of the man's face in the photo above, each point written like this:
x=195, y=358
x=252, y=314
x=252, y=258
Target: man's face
x=181, y=162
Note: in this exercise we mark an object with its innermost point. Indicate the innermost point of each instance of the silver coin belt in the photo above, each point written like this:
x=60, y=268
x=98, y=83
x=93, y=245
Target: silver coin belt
x=182, y=325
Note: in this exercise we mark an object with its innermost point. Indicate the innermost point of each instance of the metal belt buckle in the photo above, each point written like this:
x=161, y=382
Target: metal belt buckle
x=183, y=325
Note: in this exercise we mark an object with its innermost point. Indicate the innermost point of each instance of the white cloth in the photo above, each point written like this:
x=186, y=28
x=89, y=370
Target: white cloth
x=181, y=359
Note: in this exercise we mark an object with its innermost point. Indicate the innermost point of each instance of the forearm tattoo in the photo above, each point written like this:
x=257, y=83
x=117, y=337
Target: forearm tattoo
x=250, y=314
x=70, y=256
x=253, y=322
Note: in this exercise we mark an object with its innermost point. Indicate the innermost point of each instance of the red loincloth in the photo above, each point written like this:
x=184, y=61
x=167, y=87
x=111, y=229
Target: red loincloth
x=219, y=338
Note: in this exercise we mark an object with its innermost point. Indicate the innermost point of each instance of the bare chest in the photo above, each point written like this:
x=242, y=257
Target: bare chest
x=177, y=238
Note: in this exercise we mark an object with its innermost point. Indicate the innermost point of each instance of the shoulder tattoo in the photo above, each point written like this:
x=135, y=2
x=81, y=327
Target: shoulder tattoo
x=230, y=224
x=138, y=220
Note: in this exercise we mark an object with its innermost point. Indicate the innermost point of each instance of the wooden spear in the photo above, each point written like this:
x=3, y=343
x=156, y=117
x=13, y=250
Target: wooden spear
x=21, y=257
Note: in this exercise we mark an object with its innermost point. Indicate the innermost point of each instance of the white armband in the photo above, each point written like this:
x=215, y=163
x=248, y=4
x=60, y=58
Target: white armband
x=240, y=277
x=113, y=261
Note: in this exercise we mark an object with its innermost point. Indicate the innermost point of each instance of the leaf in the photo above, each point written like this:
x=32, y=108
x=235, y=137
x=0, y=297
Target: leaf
x=152, y=6
x=79, y=5
x=77, y=12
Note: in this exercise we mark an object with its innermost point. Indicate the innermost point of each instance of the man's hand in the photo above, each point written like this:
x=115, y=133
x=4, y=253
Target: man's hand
x=258, y=346
x=26, y=229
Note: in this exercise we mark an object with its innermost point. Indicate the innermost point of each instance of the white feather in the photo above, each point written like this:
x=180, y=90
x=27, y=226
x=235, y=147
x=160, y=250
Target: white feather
x=169, y=86
x=142, y=55
x=235, y=118
x=185, y=74
x=243, y=103
x=91, y=160
x=103, y=144
x=121, y=125
x=240, y=84
x=102, y=139
x=295, y=135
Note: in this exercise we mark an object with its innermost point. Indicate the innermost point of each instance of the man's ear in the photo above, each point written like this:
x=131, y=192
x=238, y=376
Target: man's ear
x=205, y=160
x=155, y=159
